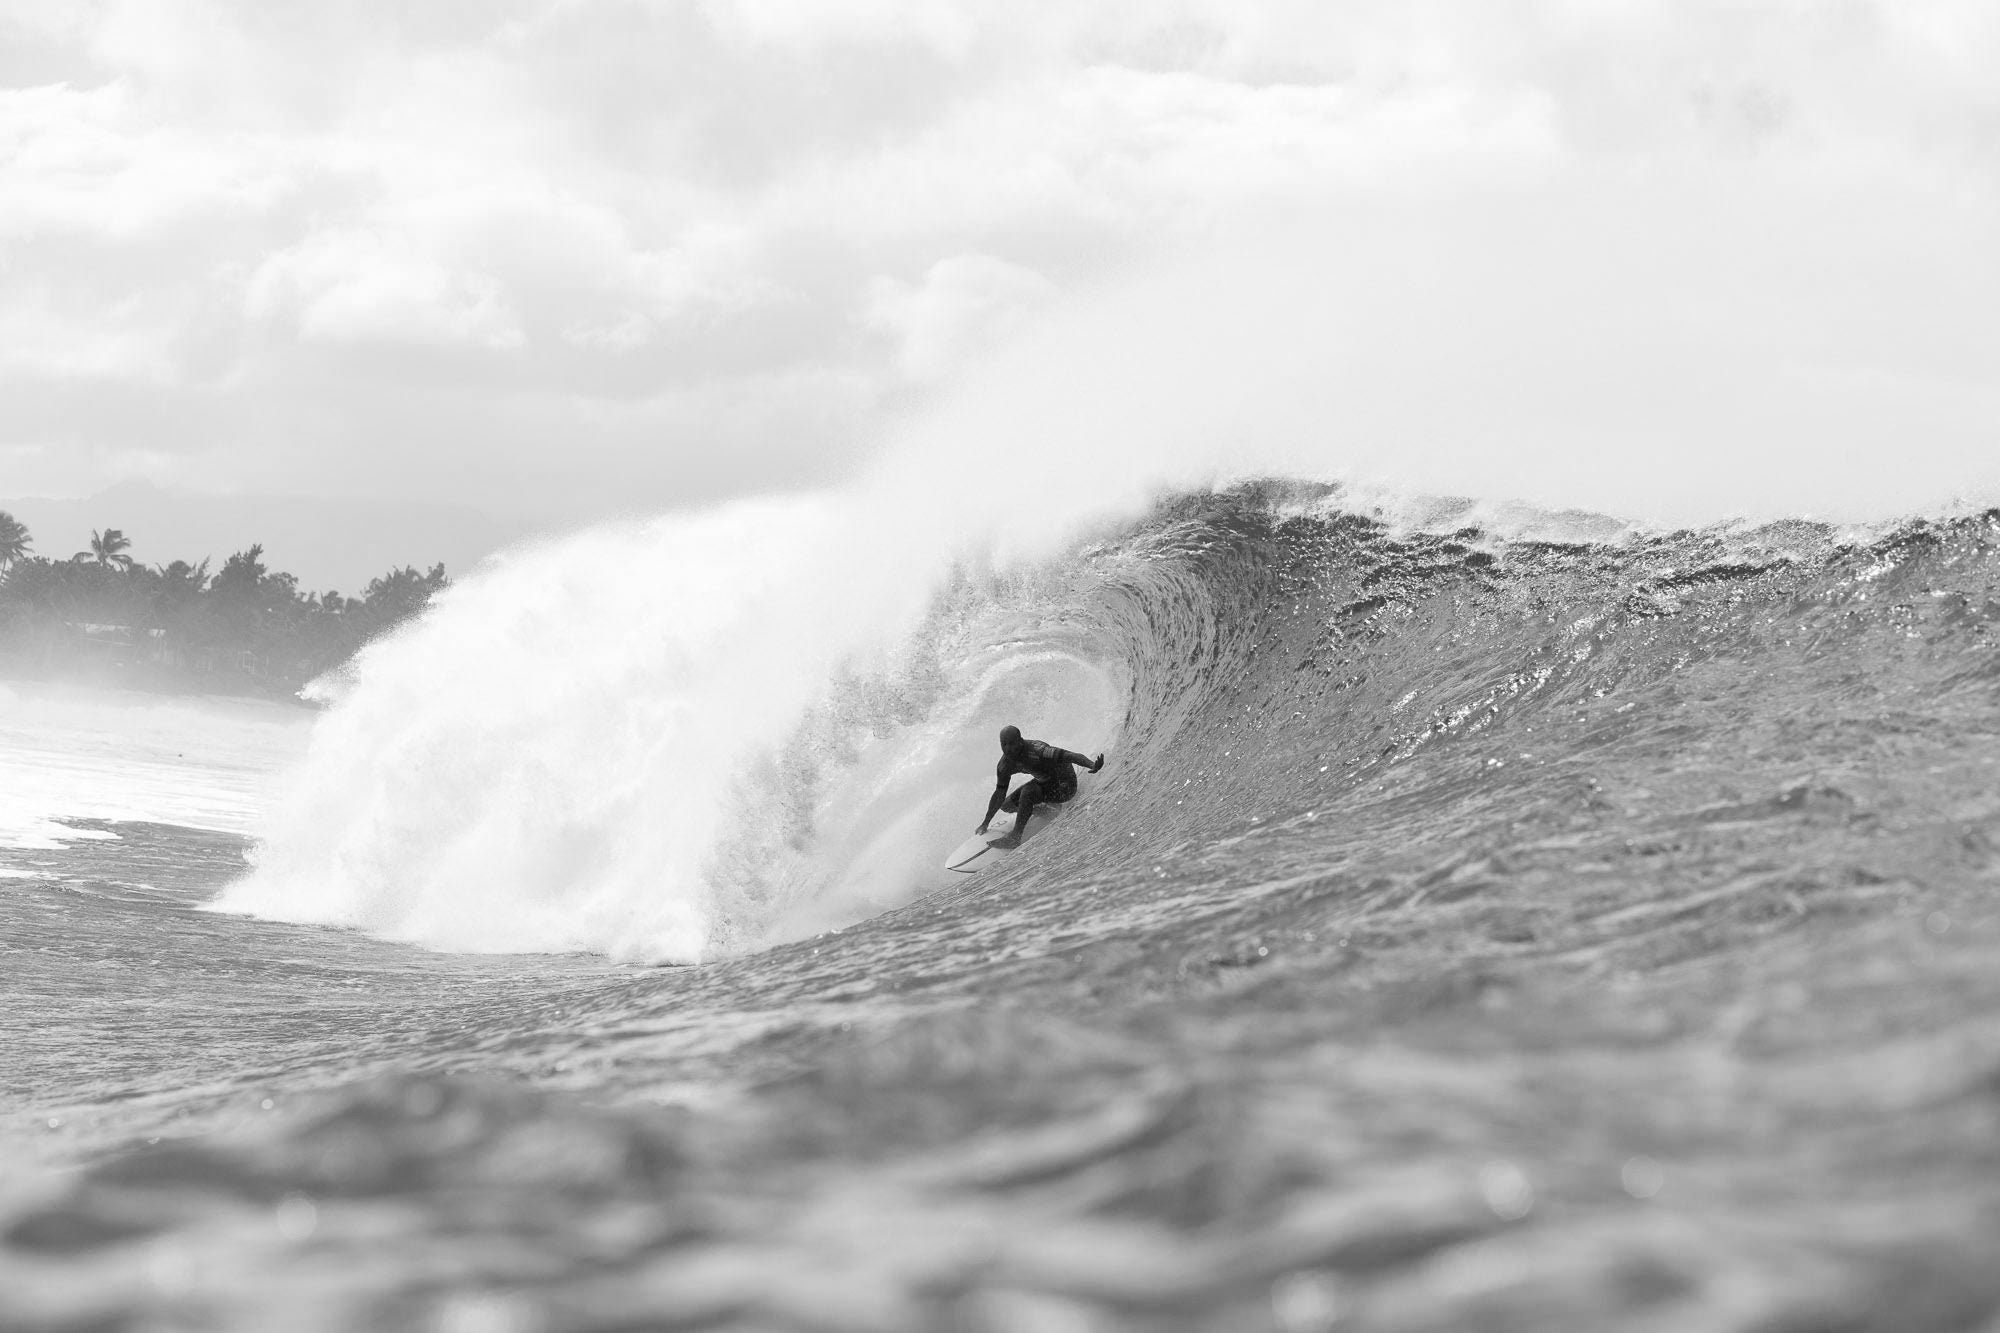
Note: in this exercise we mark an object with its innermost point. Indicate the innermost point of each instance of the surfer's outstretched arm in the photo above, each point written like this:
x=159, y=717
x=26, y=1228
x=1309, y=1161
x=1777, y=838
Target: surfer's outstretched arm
x=1083, y=760
x=999, y=795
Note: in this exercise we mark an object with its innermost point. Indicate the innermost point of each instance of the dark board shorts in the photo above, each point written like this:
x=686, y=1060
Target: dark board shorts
x=1040, y=792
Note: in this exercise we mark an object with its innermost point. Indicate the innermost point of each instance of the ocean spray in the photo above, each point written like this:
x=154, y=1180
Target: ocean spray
x=538, y=763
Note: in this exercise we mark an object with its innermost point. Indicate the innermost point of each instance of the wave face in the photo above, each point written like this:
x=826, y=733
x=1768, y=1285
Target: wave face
x=576, y=753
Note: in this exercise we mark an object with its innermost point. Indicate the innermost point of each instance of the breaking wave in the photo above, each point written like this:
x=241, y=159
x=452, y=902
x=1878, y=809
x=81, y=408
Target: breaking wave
x=690, y=738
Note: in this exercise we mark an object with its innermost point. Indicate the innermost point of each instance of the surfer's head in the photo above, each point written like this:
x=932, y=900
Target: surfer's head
x=1009, y=737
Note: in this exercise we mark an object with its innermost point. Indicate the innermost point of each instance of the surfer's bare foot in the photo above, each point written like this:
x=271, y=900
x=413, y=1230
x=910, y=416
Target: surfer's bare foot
x=1008, y=840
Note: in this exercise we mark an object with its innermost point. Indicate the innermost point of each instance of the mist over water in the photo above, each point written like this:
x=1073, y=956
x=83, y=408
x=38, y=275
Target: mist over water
x=1678, y=347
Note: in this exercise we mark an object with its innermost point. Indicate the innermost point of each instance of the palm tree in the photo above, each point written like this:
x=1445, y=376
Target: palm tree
x=182, y=579
x=14, y=540
x=107, y=549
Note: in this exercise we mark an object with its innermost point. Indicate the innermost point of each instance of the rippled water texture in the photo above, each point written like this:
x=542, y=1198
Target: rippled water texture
x=1465, y=934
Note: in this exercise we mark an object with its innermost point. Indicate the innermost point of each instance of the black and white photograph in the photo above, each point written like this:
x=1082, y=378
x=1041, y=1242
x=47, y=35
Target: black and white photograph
x=1104, y=666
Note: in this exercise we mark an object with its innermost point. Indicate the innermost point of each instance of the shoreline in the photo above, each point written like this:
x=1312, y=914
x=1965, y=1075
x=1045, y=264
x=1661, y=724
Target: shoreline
x=14, y=673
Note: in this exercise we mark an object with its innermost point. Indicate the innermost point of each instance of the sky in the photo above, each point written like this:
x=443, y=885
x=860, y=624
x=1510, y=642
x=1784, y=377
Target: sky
x=552, y=260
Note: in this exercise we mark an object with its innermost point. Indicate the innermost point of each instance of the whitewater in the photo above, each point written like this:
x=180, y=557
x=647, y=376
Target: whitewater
x=1487, y=917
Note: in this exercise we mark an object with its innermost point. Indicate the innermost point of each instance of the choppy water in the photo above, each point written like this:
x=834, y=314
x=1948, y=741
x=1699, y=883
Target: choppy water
x=1581, y=930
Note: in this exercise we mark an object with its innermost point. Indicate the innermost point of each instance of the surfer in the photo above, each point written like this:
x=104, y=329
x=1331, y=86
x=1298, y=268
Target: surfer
x=1051, y=781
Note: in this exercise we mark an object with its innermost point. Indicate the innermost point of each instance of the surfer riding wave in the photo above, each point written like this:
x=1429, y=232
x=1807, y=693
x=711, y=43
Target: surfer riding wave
x=1052, y=779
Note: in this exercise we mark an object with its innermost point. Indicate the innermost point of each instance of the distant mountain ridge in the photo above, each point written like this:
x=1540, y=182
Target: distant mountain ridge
x=329, y=543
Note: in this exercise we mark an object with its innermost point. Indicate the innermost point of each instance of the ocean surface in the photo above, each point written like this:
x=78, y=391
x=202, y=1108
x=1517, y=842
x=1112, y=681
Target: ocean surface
x=1485, y=920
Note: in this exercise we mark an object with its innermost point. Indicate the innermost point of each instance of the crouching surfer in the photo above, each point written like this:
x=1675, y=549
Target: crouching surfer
x=1051, y=779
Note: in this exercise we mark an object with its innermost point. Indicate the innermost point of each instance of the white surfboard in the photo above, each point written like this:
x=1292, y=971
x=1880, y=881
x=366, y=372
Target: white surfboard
x=979, y=851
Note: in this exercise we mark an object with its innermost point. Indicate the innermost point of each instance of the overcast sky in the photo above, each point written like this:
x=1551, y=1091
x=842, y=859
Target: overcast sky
x=557, y=258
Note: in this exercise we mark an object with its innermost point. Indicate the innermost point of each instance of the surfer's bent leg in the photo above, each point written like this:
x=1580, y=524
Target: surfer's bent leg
x=1024, y=802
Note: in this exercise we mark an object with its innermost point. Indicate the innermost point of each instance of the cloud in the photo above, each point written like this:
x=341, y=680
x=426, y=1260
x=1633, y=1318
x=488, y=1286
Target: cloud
x=961, y=303
x=121, y=342
x=95, y=164
x=360, y=285
x=622, y=235
x=1683, y=348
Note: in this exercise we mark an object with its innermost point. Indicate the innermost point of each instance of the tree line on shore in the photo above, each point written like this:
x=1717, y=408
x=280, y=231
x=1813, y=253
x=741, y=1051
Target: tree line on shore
x=100, y=613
